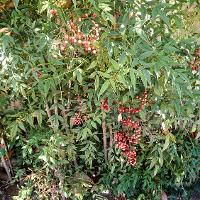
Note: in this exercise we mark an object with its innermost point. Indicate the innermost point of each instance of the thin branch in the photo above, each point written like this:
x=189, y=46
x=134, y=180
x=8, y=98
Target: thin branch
x=104, y=136
x=111, y=135
x=48, y=113
x=69, y=98
x=7, y=156
x=56, y=105
x=6, y=168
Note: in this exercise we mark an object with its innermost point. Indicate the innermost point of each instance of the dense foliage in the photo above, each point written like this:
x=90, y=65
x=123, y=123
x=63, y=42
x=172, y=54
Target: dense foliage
x=100, y=95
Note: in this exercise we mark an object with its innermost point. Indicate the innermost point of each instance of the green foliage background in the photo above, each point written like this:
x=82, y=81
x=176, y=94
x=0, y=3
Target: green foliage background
x=138, y=50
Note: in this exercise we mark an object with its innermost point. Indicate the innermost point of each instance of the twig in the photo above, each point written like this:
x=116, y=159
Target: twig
x=111, y=136
x=56, y=105
x=7, y=156
x=6, y=168
x=48, y=113
x=68, y=98
x=104, y=136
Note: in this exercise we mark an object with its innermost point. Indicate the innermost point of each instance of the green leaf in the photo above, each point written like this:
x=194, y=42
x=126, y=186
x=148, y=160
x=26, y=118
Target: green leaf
x=96, y=84
x=14, y=129
x=122, y=79
x=156, y=170
x=147, y=76
x=98, y=120
x=16, y=2
x=155, y=12
x=112, y=82
x=133, y=78
x=105, y=75
x=92, y=65
x=198, y=135
x=142, y=34
x=161, y=159
x=44, y=7
x=143, y=78
x=93, y=2
x=104, y=87
x=21, y=126
x=164, y=17
x=104, y=7
x=153, y=163
x=79, y=75
x=108, y=17
x=178, y=89
x=115, y=65
x=29, y=119
x=167, y=142
x=93, y=124
x=47, y=87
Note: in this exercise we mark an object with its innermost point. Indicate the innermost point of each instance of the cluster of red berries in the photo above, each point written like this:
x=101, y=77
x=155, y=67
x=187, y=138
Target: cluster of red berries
x=77, y=119
x=129, y=123
x=123, y=109
x=77, y=37
x=124, y=141
x=104, y=105
x=194, y=66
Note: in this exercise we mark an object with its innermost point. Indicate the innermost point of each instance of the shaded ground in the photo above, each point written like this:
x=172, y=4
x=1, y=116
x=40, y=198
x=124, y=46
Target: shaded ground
x=7, y=191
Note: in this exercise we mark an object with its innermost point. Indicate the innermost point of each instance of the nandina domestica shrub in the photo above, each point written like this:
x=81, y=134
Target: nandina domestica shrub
x=100, y=99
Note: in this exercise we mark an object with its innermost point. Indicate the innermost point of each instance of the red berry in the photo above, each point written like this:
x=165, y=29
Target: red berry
x=66, y=37
x=86, y=15
x=86, y=43
x=39, y=74
x=53, y=11
x=71, y=24
x=94, y=15
x=194, y=68
x=62, y=48
x=79, y=35
x=86, y=50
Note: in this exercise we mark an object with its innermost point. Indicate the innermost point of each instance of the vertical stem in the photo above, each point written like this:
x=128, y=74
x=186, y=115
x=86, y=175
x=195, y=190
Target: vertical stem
x=6, y=168
x=104, y=136
x=48, y=113
x=111, y=135
x=7, y=156
x=56, y=105
x=68, y=99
